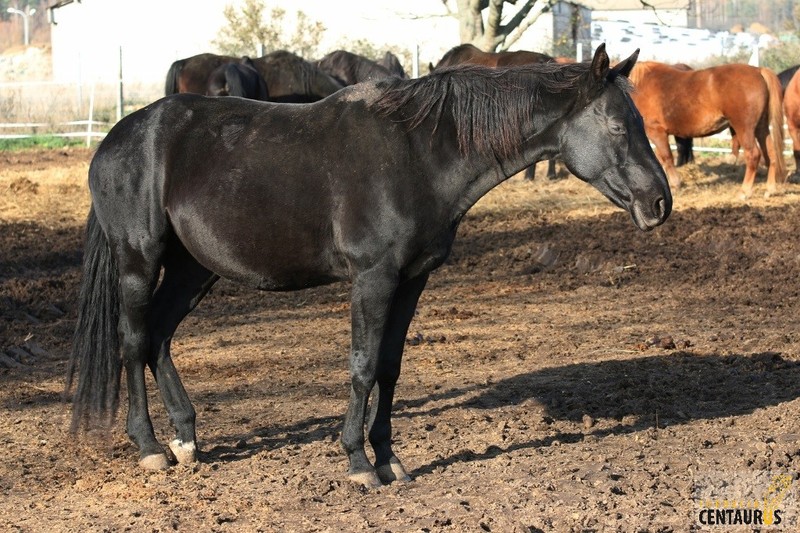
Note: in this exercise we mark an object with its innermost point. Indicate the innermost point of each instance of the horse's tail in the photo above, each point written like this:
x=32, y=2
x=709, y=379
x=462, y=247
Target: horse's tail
x=95, y=346
x=775, y=120
x=173, y=74
x=234, y=80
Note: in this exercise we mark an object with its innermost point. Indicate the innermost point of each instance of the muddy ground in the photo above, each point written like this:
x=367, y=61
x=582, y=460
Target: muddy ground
x=565, y=372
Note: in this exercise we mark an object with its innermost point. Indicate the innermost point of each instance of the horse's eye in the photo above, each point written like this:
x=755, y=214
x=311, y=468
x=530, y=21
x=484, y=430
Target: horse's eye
x=616, y=128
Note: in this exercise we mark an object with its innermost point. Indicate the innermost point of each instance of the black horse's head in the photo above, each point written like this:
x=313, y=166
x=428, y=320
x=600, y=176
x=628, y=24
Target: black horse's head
x=605, y=145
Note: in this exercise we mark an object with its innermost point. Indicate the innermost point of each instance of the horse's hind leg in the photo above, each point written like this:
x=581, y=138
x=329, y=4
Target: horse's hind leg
x=752, y=156
x=387, y=465
x=184, y=284
x=139, y=270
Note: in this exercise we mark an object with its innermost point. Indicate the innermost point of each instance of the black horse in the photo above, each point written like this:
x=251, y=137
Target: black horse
x=368, y=185
x=785, y=76
x=391, y=63
x=348, y=68
x=237, y=79
x=289, y=77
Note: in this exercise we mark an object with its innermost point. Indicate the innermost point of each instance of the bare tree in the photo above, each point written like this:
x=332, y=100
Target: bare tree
x=488, y=31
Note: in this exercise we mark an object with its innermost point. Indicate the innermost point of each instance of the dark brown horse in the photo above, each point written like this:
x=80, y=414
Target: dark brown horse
x=390, y=62
x=288, y=76
x=468, y=54
x=368, y=185
x=698, y=103
x=237, y=79
x=348, y=68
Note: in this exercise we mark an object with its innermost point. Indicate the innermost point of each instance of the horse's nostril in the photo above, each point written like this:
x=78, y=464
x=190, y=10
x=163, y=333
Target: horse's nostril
x=660, y=207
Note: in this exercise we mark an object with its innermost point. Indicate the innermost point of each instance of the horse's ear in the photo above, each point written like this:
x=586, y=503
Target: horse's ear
x=623, y=68
x=600, y=63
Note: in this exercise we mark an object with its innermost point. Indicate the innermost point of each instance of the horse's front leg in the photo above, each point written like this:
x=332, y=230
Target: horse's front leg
x=372, y=296
x=387, y=464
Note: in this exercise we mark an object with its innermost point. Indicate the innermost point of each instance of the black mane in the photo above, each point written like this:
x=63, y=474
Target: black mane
x=479, y=100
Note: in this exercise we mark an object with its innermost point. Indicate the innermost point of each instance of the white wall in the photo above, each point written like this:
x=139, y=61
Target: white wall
x=87, y=37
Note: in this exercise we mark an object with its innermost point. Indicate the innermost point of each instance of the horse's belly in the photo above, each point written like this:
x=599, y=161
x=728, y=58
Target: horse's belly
x=687, y=123
x=275, y=263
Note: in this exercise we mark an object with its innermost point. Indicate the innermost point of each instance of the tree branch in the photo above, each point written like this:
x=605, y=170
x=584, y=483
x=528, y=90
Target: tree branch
x=521, y=21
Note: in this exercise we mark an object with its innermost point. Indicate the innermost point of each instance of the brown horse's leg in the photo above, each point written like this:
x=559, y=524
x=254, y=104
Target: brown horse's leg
x=660, y=139
x=768, y=152
x=734, y=146
x=752, y=155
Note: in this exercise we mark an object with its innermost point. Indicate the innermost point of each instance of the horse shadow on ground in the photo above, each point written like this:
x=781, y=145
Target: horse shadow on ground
x=662, y=390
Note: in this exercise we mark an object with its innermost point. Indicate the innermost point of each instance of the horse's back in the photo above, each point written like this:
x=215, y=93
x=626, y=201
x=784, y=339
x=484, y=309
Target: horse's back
x=722, y=87
x=210, y=170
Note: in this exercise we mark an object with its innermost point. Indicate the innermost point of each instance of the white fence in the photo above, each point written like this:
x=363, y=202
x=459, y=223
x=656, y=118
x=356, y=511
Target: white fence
x=39, y=108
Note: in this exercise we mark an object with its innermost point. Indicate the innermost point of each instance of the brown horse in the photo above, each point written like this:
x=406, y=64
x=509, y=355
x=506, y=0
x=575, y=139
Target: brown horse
x=698, y=103
x=791, y=106
x=468, y=53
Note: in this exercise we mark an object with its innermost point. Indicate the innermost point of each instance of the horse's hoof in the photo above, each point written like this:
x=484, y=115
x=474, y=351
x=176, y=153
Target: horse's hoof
x=393, y=471
x=368, y=479
x=743, y=195
x=156, y=461
x=185, y=452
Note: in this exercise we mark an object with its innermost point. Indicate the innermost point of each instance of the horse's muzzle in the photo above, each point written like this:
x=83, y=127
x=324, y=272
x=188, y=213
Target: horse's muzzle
x=649, y=214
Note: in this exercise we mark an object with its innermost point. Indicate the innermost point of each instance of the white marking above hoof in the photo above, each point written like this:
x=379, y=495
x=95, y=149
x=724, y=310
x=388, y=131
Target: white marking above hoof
x=185, y=452
x=156, y=461
x=393, y=471
x=368, y=479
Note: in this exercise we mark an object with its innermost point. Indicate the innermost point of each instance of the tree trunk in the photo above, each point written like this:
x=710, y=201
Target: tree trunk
x=470, y=21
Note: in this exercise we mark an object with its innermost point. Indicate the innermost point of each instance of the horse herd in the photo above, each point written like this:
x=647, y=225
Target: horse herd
x=673, y=99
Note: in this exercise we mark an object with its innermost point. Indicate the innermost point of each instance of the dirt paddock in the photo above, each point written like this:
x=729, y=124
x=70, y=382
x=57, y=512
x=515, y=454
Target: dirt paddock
x=564, y=372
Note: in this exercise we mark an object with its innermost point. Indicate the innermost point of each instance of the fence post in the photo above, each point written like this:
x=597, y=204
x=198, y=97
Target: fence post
x=119, y=88
x=91, y=117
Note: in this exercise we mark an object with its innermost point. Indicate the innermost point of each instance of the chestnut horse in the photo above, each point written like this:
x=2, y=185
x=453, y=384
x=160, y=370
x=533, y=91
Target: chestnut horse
x=698, y=103
x=791, y=106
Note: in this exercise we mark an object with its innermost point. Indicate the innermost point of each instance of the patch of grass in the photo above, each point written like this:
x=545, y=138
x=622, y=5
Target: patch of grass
x=41, y=141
